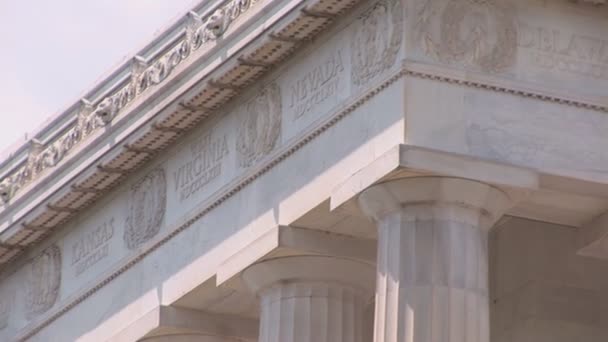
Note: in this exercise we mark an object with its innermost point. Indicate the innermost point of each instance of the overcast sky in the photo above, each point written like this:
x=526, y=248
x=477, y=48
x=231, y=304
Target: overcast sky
x=52, y=51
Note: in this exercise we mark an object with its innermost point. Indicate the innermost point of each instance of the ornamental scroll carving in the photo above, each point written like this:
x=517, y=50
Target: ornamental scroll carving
x=147, y=204
x=43, y=281
x=377, y=40
x=260, y=126
x=477, y=33
x=143, y=76
x=40, y=157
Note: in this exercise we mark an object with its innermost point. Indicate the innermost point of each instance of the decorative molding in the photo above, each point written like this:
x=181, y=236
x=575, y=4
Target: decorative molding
x=143, y=76
x=537, y=95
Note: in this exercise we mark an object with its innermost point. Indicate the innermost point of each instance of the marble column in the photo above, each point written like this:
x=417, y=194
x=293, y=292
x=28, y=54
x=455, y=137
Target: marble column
x=432, y=271
x=311, y=298
x=189, y=337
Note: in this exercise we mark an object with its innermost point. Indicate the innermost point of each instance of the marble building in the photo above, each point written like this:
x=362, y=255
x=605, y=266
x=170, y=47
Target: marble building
x=324, y=171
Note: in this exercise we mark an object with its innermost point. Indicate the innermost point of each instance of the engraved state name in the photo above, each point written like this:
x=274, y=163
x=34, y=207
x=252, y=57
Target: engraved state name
x=555, y=49
x=203, y=166
x=317, y=85
x=92, y=246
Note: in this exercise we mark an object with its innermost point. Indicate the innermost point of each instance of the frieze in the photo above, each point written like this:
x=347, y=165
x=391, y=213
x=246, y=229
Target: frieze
x=563, y=50
x=143, y=77
x=259, y=126
x=44, y=281
x=477, y=33
x=376, y=40
x=317, y=85
x=146, y=208
x=92, y=246
x=203, y=166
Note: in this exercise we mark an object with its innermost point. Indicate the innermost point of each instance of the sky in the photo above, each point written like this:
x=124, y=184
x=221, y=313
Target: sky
x=53, y=51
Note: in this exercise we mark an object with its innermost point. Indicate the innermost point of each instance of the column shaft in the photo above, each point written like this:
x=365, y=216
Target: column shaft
x=432, y=271
x=432, y=280
x=311, y=312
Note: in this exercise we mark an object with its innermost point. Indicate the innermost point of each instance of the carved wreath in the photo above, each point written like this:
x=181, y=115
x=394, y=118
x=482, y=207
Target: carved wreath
x=479, y=33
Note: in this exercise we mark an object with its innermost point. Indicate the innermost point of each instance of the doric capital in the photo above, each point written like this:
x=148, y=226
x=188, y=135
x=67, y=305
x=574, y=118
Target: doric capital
x=436, y=197
x=305, y=269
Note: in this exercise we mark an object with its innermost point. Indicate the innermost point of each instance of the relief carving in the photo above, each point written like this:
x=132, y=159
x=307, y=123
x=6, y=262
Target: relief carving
x=377, y=40
x=320, y=83
x=477, y=33
x=143, y=76
x=147, y=204
x=44, y=280
x=41, y=157
x=204, y=164
x=92, y=246
x=260, y=126
x=564, y=49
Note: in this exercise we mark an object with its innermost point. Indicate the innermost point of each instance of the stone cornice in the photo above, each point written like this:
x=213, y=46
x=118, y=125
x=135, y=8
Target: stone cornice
x=147, y=125
x=129, y=82
x=501, y=85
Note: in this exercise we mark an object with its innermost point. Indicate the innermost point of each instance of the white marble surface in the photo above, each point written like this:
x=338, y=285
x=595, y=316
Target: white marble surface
x=279, y=196
x=308, y=127
x=432, y=267
x=541, y=289
x=311, y=298
x=559, y=45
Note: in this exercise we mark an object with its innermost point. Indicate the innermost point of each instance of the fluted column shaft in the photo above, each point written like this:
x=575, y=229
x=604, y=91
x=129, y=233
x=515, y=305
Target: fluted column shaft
x=432, y=272
x=311, y=312
x=311, y=299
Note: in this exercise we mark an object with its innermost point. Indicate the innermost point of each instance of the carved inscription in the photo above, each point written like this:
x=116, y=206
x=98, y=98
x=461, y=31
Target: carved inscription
x=92, y=246
x=260, y=126
x=317, y=85
x=204, y=165
x=477, y=33
x=44, y=280
x=147, y=203
x=555, y=49
x=377, y=40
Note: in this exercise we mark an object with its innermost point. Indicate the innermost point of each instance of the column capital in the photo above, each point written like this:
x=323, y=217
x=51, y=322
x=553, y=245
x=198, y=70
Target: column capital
x=311, y=268
x=434, y=196
x=311, y=298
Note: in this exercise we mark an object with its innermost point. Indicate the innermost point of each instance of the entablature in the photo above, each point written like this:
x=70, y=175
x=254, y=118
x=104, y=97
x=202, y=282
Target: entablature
x=203, y=61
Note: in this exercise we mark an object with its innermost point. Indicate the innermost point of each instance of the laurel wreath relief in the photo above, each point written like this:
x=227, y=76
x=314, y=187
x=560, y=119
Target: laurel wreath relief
x=476, y=33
